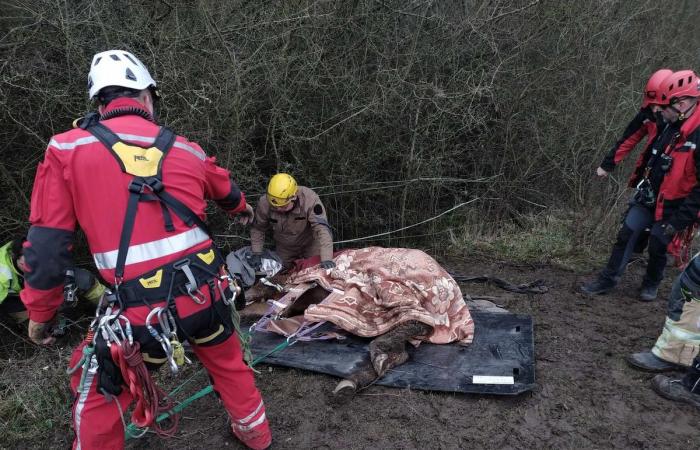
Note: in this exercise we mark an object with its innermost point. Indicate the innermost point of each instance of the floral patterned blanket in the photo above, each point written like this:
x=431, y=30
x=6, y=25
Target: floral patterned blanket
x=374, y=289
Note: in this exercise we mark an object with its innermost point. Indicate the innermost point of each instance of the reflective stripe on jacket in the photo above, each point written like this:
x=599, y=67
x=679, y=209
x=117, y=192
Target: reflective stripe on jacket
x=9, y=277
x=80, y=181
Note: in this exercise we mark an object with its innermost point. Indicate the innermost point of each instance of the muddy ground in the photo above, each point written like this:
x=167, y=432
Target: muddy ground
x=586, y=395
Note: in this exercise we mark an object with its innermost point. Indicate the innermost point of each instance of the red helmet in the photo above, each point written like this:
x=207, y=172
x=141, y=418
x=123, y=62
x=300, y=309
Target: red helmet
x=684, y=83
x=652, y=91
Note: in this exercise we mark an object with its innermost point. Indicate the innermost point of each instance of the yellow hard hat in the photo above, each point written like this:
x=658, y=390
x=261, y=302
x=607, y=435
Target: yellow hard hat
x=281, y=189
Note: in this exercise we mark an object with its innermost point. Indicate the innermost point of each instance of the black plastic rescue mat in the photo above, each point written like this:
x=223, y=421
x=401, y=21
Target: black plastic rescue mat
x=500, y=361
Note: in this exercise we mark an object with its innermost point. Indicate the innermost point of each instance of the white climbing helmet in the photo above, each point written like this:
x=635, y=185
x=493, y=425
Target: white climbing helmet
x=117, y=68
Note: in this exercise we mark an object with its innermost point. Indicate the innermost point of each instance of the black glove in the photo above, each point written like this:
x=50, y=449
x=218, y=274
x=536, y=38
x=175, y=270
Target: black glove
x=669, y=230
x=84, y=280
x=255, y=261
x=327, y=264
x=109, y=374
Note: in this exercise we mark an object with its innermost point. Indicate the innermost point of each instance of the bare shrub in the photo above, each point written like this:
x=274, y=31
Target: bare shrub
x=524, y=96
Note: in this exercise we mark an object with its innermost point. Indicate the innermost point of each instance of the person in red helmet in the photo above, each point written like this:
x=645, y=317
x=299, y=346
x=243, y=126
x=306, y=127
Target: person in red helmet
x=632, y=236
x=677, y=209
x=643, y=124
x=138, y=192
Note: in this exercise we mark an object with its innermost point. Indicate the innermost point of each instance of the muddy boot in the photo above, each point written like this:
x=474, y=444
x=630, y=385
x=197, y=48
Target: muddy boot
x=389, y=350
x=674, y=389
x=648, y=293
x=600, y=286
x=649, y=362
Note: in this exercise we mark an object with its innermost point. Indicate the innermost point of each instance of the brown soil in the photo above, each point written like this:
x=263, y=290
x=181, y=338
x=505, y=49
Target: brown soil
x=586, y=395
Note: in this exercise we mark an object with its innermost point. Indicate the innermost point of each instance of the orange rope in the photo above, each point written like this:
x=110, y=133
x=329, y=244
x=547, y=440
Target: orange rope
x=151, y=401
x=680, y=246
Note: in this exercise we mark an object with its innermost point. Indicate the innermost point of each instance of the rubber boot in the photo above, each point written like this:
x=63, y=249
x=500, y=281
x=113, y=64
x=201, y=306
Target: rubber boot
x=648, y=293
x=600, y=286
x=674, y=389
x=258, y=437
x=649, y=362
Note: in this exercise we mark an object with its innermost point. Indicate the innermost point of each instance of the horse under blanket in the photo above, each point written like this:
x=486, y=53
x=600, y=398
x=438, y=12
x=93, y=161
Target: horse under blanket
x=372, y=290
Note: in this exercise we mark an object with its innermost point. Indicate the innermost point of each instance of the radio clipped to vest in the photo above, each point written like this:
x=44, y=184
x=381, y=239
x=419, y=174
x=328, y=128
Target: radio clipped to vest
x=645, y=194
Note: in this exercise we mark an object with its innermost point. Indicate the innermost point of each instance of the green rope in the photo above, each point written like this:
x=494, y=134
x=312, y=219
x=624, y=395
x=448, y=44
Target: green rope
x=132, y=431
x=243, y=337
x=84, y=362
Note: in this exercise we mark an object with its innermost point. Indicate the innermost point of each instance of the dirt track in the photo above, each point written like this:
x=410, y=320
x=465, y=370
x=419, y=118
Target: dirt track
x=586, y=395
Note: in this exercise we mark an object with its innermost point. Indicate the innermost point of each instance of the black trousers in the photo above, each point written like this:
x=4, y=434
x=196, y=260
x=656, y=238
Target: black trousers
x=637, y=219
x=691, y=380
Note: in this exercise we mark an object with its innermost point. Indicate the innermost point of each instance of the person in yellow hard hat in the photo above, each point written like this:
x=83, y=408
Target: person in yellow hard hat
x=298, y=221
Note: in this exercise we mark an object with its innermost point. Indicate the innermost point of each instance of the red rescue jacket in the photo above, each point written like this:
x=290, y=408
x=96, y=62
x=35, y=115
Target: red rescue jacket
x=81, y=181
x=679, y=196
x=643, y=124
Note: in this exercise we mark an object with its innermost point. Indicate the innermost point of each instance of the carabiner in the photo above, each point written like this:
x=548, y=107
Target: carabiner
x=233, y=287
x=193, y=294
x=126, y=330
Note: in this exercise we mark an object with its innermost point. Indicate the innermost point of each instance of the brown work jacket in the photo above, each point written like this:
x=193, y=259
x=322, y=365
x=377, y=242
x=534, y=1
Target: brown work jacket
x=302, y=232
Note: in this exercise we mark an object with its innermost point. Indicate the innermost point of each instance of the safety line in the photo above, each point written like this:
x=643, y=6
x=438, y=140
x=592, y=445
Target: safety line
x=409, y=226
x=430, y=219
x=393, y=184
x=132, y=431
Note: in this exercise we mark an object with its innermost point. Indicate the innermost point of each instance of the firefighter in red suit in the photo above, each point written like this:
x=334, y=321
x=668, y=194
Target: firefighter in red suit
x=141, y=233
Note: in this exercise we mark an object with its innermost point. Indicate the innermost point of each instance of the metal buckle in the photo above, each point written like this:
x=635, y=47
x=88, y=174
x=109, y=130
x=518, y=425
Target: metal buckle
x=70, y=288
x=191, y=285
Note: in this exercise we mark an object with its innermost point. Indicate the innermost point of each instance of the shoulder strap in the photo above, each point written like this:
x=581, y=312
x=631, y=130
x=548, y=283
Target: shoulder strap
x=163, y=142
x=165, y=139
x=103, y=134
x=144, y=189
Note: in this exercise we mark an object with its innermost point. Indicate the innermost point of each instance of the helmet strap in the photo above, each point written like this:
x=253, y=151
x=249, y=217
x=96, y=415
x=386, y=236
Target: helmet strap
x=682, y=115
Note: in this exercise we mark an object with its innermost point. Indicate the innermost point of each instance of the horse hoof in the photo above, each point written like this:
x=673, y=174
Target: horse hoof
x=345, y=385
x=343, y=392
x=380, y=362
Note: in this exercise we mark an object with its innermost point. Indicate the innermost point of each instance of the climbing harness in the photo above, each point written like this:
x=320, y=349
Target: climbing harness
x=110, y=345
x=645, y=194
